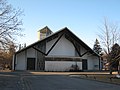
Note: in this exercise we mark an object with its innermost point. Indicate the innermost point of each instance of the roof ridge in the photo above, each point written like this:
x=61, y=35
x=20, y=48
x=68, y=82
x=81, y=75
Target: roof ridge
x=46, y=27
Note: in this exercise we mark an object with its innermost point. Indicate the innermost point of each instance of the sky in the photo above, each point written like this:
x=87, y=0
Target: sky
x=83, y=17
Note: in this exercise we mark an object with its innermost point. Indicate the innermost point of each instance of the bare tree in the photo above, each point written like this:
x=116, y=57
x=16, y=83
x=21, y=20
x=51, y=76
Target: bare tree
x=6, y=56
x=109, y=35
x=9, y=23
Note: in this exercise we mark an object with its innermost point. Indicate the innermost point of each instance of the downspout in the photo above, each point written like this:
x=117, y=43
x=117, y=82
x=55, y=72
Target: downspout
x=26, y=59
x=99, y=63
x=14, y=61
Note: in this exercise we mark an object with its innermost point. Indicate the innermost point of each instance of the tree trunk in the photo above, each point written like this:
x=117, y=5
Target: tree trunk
x=110, y=69
x=119, y=68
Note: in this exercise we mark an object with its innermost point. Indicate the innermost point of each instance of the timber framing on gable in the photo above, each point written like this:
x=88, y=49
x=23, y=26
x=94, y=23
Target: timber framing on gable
x=54, y=44
x=70, y=36
x=75, y=44
x=39, y=50
x=51, y=46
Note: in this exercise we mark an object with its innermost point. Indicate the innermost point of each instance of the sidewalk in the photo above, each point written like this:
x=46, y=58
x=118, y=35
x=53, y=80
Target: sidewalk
x=58, y=73
x=71, y=73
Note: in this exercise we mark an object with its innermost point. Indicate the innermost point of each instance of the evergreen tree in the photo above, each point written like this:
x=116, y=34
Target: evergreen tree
x=114, y=57
x=97, y=48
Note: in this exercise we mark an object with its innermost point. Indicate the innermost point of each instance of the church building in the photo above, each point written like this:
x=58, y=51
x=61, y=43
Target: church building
x=59, y=51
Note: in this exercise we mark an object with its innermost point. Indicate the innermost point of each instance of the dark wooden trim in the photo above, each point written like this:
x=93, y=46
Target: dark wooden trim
x=76, y=49
x=26, y=59
x=55, y=43
x=84, y=53
x=71, y=40
x=39, y=50
x=63, y=59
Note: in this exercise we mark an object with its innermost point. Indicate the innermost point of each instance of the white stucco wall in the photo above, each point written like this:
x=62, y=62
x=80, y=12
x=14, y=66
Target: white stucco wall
x=20, y=61
x=21, y=58
x=60, y=65
x=63, y=48
x=31, y=53
x=93, y=63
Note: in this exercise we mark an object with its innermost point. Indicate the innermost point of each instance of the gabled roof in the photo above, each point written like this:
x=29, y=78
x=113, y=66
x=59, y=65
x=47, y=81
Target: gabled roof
x=64, y=30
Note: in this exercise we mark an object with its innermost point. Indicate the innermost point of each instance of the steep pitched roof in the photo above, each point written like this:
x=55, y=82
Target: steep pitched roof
x=67, y=31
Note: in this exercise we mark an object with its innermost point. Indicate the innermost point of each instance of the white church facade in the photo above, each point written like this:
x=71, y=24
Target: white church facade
x=60, y=51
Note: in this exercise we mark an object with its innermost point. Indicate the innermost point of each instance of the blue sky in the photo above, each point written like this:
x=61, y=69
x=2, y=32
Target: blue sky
x=82, y=17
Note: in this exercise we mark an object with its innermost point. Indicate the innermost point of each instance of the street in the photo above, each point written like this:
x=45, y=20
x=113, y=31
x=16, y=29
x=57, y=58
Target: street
x=28, y=81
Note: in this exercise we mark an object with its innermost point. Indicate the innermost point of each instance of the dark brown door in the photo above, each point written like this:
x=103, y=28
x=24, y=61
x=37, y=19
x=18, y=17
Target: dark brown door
x=30, y=63
x=84, y=64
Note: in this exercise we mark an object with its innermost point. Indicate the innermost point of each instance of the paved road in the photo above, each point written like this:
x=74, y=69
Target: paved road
x=20, y=81
x=66, y=83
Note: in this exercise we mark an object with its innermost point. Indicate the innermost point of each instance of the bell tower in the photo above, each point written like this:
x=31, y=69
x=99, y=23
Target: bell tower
x=43, y=33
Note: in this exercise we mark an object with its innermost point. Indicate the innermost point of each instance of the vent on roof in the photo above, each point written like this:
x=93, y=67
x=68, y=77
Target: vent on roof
x=43, y=33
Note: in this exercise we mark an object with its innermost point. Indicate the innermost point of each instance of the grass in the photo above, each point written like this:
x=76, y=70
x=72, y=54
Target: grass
x=103, y=78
